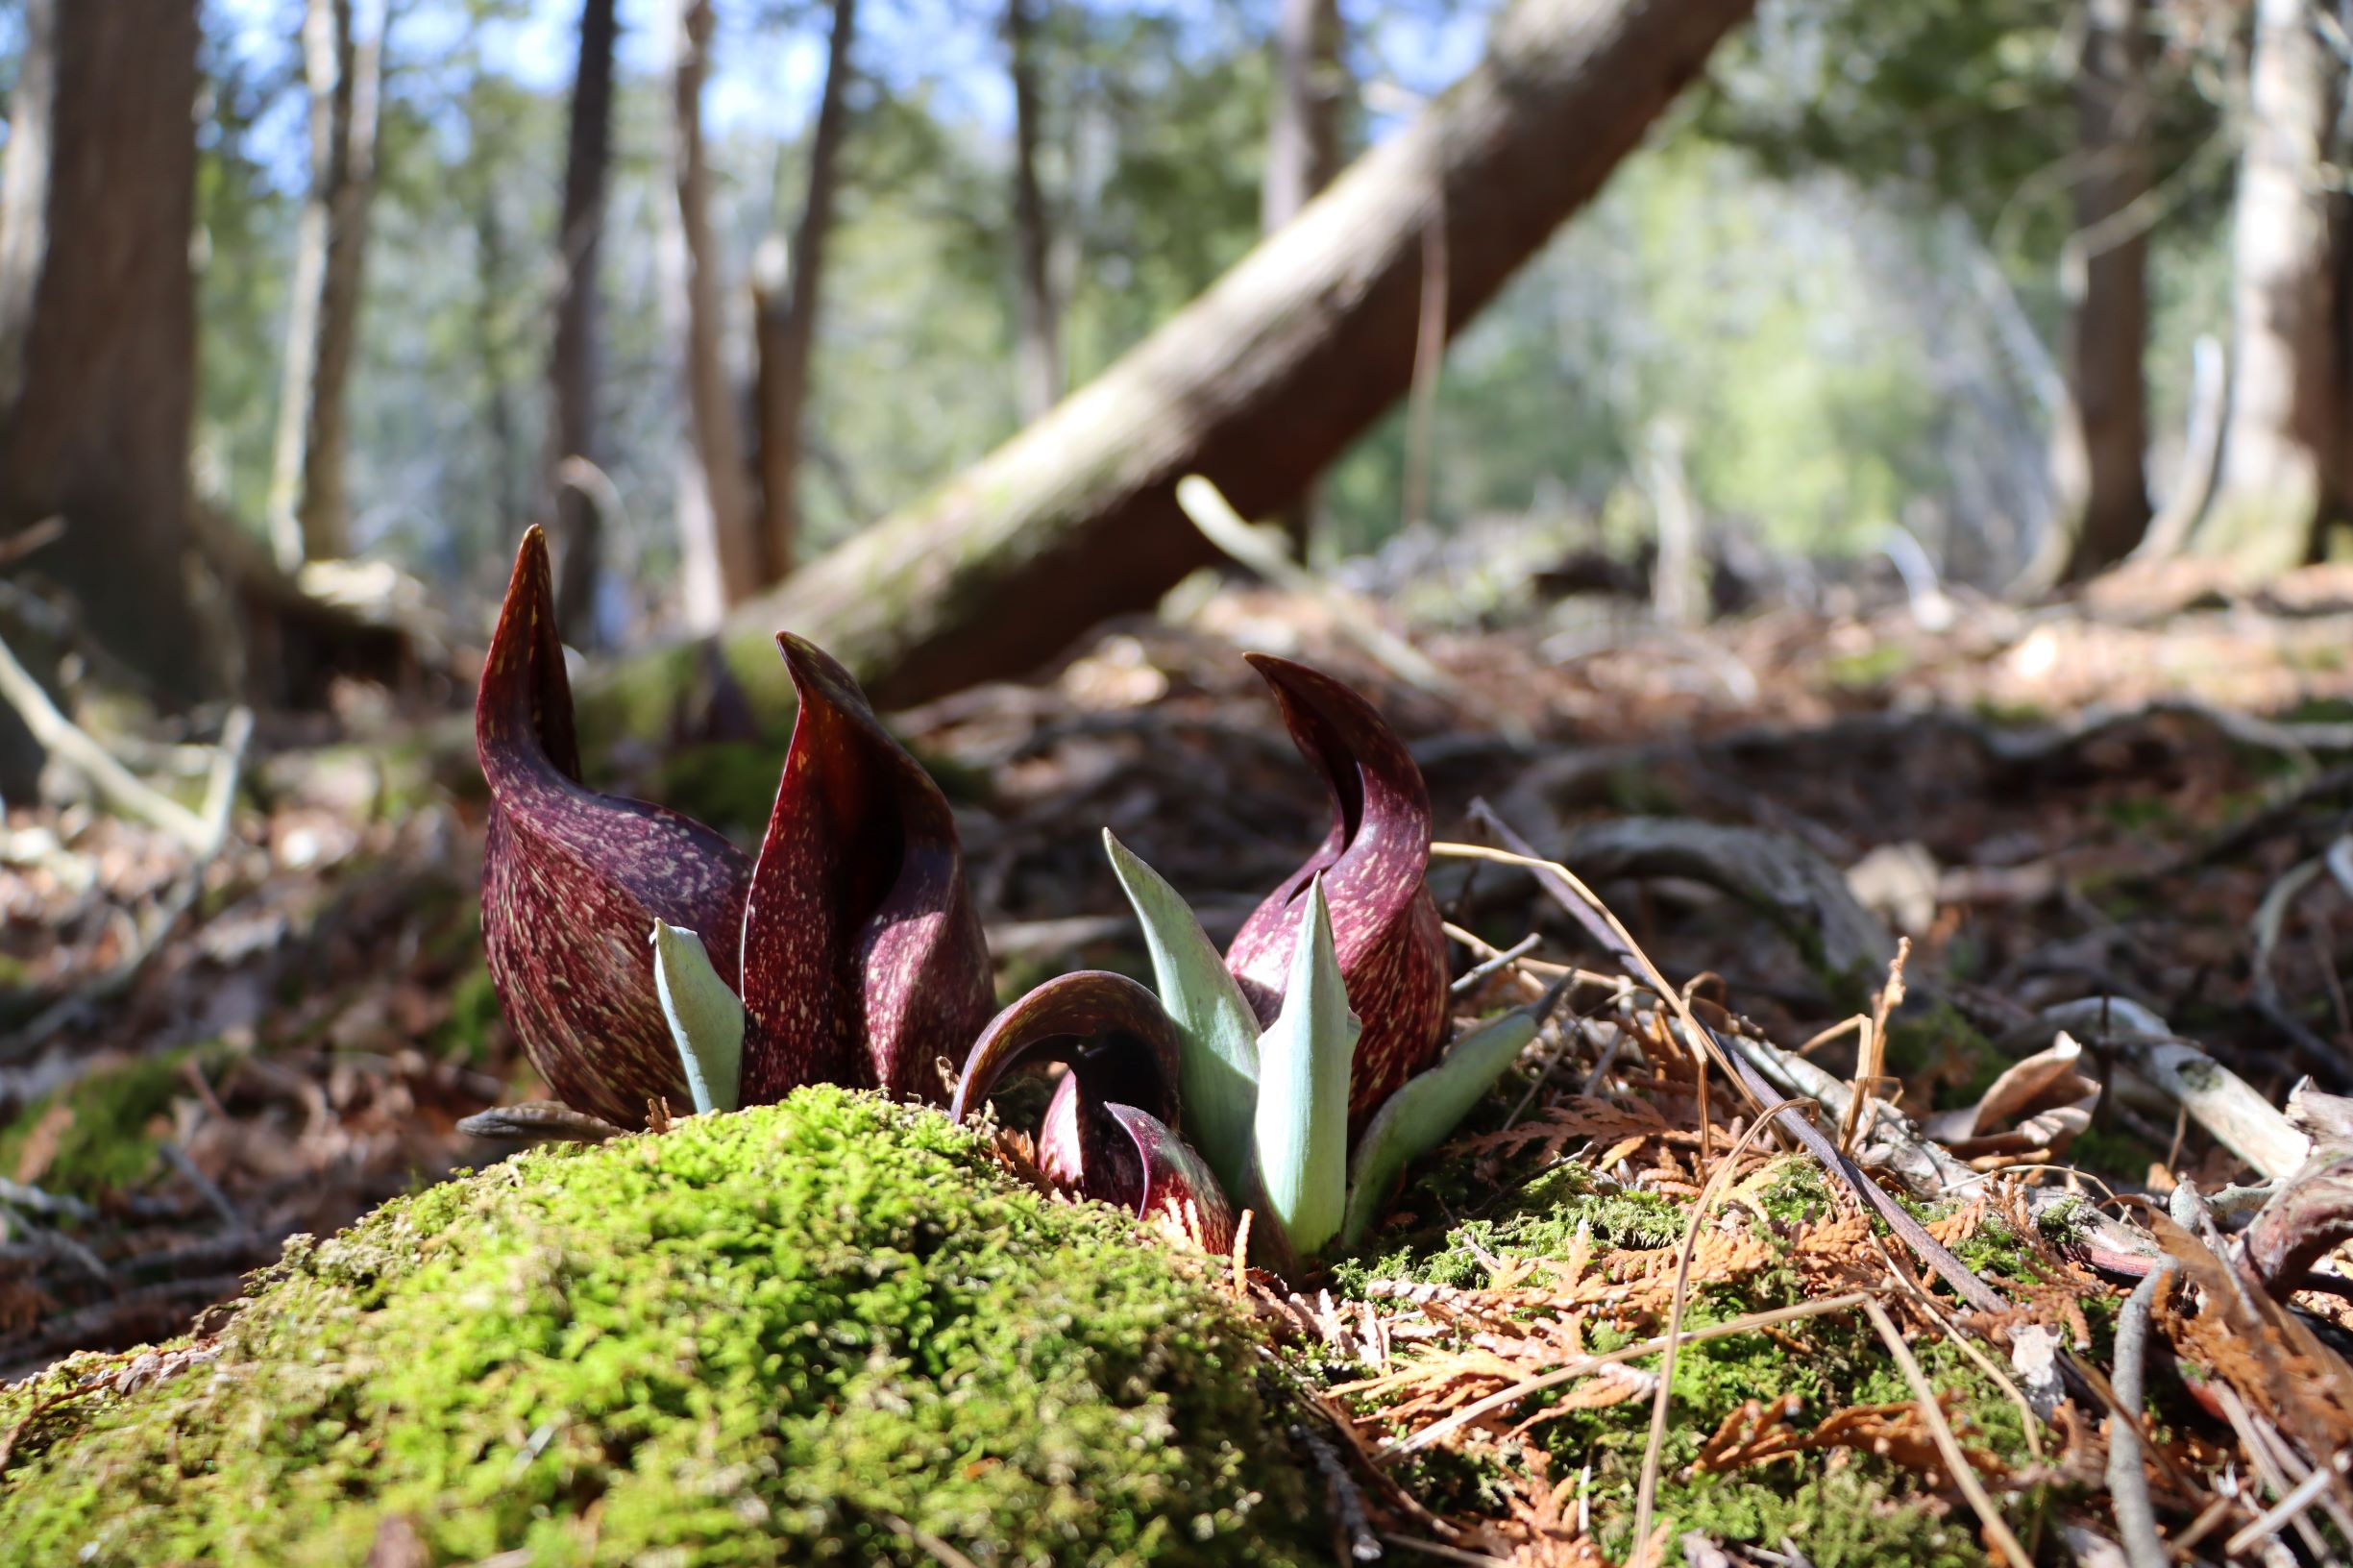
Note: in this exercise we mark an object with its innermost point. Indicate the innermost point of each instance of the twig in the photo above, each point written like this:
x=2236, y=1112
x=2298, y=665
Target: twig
x=1502, y=958
x=2269, y=916
x=2243, y=1425
x=1964, y=1475
x=1451, y=1553
x=1571, y=895
x=1871, y=1062
x=1353, y=1535
x=2136, y=1516
x=2288, y=1507
x=205, y=1187
x=1224, y=527
x=1429, y=363
x=1925, y=1304
x=1589, y=908
x=58, y=734
x=26, y=540
x=48, y=1243
x=220, y=799
x=147, y=1313
x=2224, y=1103
x=1564, y=1030
x=35, y=1200
x=939, y=1551
x=1587, y=1366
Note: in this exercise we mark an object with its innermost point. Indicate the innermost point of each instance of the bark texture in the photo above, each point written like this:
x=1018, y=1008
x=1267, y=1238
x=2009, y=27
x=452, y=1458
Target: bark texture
x=1303, y=133
x=787, y=325
x=2102, y=435
x=1302, y=156
x=572, y=361
x=98, y=328
x=2282, y=436
x=1258, y=385
x=721, y=541
x=1040, y=324
x=309, y=509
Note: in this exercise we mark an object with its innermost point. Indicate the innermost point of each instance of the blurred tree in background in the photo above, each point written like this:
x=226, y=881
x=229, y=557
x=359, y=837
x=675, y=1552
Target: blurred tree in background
x=1916, y=265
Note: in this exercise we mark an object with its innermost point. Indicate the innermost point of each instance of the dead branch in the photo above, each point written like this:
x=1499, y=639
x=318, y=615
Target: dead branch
x=2136, y=1516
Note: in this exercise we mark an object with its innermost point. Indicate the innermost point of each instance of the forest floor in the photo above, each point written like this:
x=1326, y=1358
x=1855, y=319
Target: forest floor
x=2141, y=795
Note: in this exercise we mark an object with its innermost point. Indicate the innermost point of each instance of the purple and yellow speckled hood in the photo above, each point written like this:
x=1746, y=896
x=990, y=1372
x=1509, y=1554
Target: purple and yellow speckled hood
x=1385, y=924
x=851, y=939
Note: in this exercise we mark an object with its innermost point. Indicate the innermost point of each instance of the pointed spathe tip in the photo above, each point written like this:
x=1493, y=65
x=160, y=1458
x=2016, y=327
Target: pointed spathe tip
x=817, y=674
x=523, y=701
x=533, y=578
x=1303, y=689
x=1275, y=669
x=531, y=585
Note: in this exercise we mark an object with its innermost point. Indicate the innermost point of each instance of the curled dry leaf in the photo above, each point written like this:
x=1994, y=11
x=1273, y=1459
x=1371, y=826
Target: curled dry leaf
x=2040, y=1103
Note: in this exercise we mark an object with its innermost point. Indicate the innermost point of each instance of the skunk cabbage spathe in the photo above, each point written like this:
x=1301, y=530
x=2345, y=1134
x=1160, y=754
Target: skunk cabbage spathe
x=1385, y=929
x=1265, y=1068
x=851, y=941
x=1107, y=1132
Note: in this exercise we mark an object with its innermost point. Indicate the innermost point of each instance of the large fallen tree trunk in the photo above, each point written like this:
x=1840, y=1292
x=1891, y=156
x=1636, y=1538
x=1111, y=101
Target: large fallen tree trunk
x=1260, y=384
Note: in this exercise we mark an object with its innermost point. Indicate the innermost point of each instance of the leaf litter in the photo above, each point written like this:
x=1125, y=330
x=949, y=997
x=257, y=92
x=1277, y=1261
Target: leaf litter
x=2076, y=803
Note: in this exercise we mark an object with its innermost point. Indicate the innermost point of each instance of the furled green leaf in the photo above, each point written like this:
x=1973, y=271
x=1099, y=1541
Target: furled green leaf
x=1429, y=1106
x=1301, y=1129
x=707, y=1018
x=1217, y=1066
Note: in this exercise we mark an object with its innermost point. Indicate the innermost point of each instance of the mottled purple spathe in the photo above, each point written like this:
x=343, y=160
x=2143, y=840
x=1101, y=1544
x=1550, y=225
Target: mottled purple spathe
x=1120, y=1049
x=853, y=939
x=573, y=880
x=1385, y=924
x=1107, y=1132
x=863, y=962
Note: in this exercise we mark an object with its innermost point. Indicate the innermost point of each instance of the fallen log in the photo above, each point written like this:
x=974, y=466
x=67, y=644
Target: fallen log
x=1258, y=385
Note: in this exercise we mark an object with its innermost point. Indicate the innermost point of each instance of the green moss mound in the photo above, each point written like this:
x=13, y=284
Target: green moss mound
x=828, y=1331
x=110, y=1141
x=1854, y=1510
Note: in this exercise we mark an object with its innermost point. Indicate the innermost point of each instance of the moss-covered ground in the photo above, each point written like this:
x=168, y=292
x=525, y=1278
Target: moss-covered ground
x=831, y=1330
x=100, y=1133
x=1844, y=1508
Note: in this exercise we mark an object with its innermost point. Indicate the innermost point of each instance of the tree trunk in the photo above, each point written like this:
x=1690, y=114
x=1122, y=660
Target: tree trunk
x=1258, y=385
x=1303, y=134
x=491, y=289
x=2281, y=436
x=788, y=326
x=2102, y=437
x=572, y=361
x=309, y=509
x=722, y=549
x=1302, y=150
x=98, y=328
x=1038, y=350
